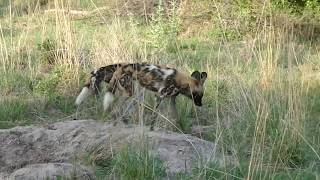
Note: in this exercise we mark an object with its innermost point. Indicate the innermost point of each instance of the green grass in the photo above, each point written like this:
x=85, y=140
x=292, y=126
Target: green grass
x=212, y=171
x=13, y=112
x=130, y=163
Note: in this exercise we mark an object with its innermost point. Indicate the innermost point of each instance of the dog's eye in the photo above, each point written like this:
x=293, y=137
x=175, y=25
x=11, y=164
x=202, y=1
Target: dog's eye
x=195, y=95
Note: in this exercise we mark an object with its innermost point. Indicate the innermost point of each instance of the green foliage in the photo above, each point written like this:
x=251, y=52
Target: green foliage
x=50, y=86
x=184, y=111
x=288, y=5
x=48, y=51
x=193, y=53
x=12, y=112
x=309, y=8
x=63, y=103
x=47, y=85
x=165, y=27
x=158, y=30
x=292, y=3
x=312, y=9
x=218, y=33
x=15, y=81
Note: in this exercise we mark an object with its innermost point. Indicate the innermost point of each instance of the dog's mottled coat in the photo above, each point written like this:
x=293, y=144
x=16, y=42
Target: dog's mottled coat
x=164, y=81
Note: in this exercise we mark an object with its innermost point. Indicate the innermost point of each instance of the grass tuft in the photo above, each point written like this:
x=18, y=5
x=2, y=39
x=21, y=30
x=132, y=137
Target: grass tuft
x=13, y=112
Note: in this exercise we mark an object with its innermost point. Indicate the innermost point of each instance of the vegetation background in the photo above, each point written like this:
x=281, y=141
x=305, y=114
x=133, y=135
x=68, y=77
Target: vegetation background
x=262, y=98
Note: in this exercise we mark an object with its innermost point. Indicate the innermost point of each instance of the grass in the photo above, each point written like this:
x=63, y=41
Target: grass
x=262, y=94
x=138, y=165
x=212, y=171
x=130, y=163
x=12, y=113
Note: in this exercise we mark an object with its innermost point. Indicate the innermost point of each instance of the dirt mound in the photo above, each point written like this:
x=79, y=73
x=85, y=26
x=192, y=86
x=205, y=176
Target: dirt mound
x=65, y=141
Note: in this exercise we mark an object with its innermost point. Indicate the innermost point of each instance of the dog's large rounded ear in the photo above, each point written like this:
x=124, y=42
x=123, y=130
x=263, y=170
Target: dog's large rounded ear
x=203, y=77
x=196, y=75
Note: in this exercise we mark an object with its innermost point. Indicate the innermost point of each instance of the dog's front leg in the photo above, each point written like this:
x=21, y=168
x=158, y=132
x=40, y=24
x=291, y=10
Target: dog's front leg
x=173, y=107
x=154, y=113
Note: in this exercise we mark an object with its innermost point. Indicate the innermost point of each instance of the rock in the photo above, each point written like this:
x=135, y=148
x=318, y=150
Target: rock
x=52, y=171
x=3, y=175
x=199, y=130
x=72, y=140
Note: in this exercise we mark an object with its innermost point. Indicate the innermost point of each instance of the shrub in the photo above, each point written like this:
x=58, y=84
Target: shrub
x=165, y=28
x=48, y=49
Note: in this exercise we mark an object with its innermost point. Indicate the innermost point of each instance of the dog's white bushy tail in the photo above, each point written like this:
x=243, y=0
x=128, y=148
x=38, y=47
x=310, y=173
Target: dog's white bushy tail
x=83, y=95
x=107, y=101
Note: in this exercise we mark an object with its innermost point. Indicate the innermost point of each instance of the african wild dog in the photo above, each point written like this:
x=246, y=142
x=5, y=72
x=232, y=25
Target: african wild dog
x=165, y=82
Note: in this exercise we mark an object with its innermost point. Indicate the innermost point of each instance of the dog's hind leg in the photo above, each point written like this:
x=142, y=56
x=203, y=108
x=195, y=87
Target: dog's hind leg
x=173, y=107
x=154, y=115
